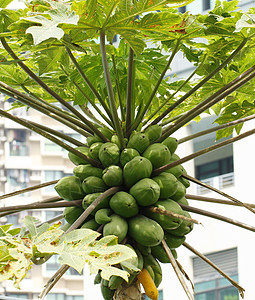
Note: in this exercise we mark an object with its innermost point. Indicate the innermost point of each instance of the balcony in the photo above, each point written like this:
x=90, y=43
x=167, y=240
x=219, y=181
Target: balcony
x=219, y=182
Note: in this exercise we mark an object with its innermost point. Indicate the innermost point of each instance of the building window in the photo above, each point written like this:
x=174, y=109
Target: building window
x=17, y=179
x=160, y=295
x=209, y=284
x=58, y=296
x=17, y=295
x=50, y=175
x=17, y=139
x=182, y=9
x=206, y=4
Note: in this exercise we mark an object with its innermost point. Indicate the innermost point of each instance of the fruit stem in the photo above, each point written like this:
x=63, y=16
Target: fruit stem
x=130, y=85
x=234, y=283
x=177, y=270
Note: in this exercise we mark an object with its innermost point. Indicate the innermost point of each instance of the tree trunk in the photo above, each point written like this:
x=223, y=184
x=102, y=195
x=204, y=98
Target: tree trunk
x=129, y=292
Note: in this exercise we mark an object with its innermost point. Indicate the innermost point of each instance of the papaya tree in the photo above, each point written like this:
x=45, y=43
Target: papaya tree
x=125, y=204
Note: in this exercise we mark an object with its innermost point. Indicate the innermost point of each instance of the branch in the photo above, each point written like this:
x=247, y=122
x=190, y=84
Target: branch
x=215, y=128
x=216, y=216
x=202, y=82
x=130, y=79
x=110, y=91
x=177, y=270
x=234, y=283
x=218, y=191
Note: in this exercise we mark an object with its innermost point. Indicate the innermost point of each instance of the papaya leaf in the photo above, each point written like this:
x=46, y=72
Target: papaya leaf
x=4, y=3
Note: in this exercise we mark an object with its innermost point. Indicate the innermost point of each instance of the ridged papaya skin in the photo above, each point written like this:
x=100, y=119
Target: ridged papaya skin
x=84, y=171
x=70, y=188
x=102, y=216
x=138, y=168
x=146, y=192
x=171, y=144
x=94, y=150
x=117, y=226
x=76, y=159
x=145, y=231
x=153, y=132
x=185, y=227
x=124, y=204
x=138, y=141
x=107, y=293
x=180, y=192
x=158, y=154
x=93, y=184
x=167, y=183
x=72, y=213
x=127, y=154
x=112, y=176
x=90, y=198
x=166, y=221
x=173, y=241
x=159, y=253
x=109, y=154
x=91, y=224
x=177, y=171
x=93, y=139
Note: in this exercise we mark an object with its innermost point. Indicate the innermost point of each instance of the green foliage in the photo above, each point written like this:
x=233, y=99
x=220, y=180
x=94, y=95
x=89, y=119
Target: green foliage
x=76, y=248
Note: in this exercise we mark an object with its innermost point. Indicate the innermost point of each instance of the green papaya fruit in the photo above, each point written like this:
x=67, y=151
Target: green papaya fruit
x=98, y=278
x=157, y=278
x=183, y=200
x=174, y=241
x=65, y=226
x=136, y=169
x=112, y=176
x=177, y=171
x=174, y=157
x=70, y=188
x=102, y=216
x=159, y=253
x=166, y=221
x=93, y=139
x=72, y=213
x=185, y=228
x=76, y=159
x=153, y=132
x=146, y=192
x=124, y=204
x=171, y=144
x=107, y=293
x=158, y=154
x=91, y=224
x=150, y=271
x=127, y=154
x=138, y=141
x=184, y=181
x=168, y=184
x=145, y=250
x=139, y=265
x=84, y=171
x=93, y=184
x=90, y=198
x=94, y=150
x=150, y=260
x=109, y=154
x=116, y=141
x=115, y=282
x=117, y=226
x=180, y=192
x=108, y=133
x=145, y=231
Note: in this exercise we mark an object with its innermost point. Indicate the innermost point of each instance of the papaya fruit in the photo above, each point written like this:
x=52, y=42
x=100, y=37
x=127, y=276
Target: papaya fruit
x=136, y=169
x=145, y=250
x=102, y=216
x=70, y=188
x=146, y=192
x=108, y=133
x=153, y=132
x=109, y=154
x=112, y=176
x=124, y=204
x=174, y=241
x=160, y=254
x=158, y=154
x=65, y=226
x=174, y=157
x=116, y=140
x=167, y=222
x=150, y=270
x=171, y=144
x=94, y=150
x=107, y=293
x=138, y=141
x=76, y=159
x=184, y=181
x=167, y=183
x=93, y=184
x=145, y=231
x=90, y=198
x=72, y=213
x=117, y=226
x=185, y=228
x=180, y=192
x=127, y=154
x=183, y=200
x=98, y=278
x=93, y=139
x=157, y=278
x=84, y=171
x=91, y=224
x=177, y=171
x=115, y=282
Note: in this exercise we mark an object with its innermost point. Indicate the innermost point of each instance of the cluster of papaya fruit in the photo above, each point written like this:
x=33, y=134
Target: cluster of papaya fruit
x=127, y=213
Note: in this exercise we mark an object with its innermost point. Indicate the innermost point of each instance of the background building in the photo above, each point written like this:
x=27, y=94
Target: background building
x=27, y=159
